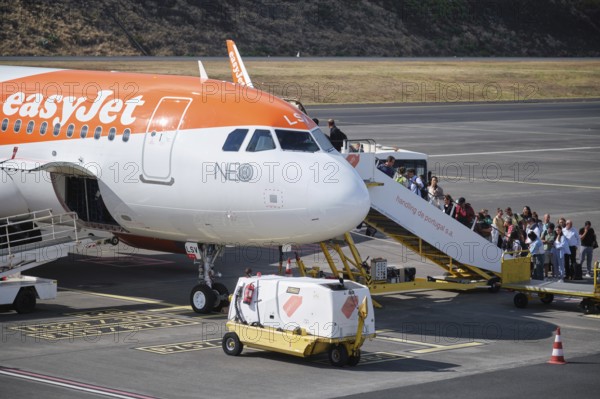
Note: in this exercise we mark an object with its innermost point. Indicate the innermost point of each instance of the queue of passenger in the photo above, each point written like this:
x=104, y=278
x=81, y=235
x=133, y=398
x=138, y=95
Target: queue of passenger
x=553, y=248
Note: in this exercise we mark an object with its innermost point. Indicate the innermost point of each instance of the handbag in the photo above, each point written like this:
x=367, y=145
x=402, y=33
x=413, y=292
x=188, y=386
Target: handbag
x=595, y=244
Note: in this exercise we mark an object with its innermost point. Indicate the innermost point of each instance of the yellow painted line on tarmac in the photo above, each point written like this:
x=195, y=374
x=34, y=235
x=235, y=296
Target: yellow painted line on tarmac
x=441, y=348
x=430, y=347
x=124, y=298
x=173, y=308
x=180, y=347
x=407, y=341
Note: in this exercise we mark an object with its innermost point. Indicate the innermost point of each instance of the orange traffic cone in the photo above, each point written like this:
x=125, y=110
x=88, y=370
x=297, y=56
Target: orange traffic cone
x=557, y=350
x=288, y=267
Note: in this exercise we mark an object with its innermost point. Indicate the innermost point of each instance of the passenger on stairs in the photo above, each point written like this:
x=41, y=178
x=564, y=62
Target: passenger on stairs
x=415, y=182
x=435, y=192
x=482, y=227
x=498, y=225
x=464, y=212
x=387, y=167
x=400, y=176
x=449, y=206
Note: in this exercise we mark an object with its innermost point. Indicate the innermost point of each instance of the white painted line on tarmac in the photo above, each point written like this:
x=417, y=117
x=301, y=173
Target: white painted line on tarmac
x=514, y=151
x=69, y=384
x=521, y=182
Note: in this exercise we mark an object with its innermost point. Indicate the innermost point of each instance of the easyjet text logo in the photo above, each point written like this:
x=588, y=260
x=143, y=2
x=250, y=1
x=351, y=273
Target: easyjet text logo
x=64, y=108
x=236, y=68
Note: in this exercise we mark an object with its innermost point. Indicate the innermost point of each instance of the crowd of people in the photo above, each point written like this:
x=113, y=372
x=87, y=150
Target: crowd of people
x=553, y=246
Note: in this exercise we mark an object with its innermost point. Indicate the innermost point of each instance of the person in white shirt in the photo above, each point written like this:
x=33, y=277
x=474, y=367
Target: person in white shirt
x=532, y=227
x=561, y=251
x=572, y=268
x=435, y=192
x=415, y=182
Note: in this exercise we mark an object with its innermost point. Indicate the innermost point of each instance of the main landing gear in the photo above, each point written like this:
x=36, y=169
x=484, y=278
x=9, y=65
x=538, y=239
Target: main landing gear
x=207, y=296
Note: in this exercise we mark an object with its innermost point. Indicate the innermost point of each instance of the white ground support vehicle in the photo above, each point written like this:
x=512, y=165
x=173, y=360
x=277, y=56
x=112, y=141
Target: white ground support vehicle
x=22, y=292
x=300, y=316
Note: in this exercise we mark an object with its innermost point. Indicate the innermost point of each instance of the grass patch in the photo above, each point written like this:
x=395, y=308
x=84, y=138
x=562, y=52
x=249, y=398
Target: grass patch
x=351, y=81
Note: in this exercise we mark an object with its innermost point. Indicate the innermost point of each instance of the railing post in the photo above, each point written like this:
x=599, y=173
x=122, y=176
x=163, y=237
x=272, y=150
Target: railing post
x=7, y=238
x=474, y=223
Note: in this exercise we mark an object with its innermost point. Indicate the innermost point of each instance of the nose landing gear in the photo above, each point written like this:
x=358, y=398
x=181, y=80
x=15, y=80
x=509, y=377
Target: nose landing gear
x=207, y=296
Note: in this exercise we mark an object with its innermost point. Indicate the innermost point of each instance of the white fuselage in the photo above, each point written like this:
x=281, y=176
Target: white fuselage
x=179, y=184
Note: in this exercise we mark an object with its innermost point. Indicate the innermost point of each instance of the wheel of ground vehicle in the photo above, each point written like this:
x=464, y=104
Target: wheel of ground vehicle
x=221, y=296
x=547, y=298
x=114, y=240
x=25, y=300
x=494, y=284
x=202, y=298
x=355, y=359
x=338, y=355
x=521, y=300
x=588, y=306
x=232, y=344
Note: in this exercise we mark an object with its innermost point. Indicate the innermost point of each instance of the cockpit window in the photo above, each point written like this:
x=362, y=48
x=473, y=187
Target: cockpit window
x=261, y=141
x=322, y=139
x=291, y=140
x=235, y=139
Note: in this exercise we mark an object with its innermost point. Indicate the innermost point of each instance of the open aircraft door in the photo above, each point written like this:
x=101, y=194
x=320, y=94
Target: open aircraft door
x=159, y=139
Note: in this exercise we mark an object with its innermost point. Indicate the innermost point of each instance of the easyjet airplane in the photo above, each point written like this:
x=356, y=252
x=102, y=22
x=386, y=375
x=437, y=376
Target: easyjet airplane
x=172, y=163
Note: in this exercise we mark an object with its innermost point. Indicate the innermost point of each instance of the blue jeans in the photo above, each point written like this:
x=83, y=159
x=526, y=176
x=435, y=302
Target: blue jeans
x=558, y=266
x=587, y=253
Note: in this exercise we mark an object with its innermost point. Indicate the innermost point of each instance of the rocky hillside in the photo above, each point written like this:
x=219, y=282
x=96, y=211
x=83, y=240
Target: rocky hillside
x=311, y=27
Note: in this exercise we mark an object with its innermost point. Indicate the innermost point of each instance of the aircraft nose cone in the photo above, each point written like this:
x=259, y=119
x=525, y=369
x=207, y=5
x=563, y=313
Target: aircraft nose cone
x=339, y=202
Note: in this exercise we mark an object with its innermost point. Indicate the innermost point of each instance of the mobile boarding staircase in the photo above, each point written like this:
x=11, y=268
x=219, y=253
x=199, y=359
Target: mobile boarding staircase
x=468, y=260
x=31, y=240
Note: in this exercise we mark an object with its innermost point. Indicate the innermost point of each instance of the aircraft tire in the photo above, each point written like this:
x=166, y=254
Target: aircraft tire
x=221, y=292
x=202, y=299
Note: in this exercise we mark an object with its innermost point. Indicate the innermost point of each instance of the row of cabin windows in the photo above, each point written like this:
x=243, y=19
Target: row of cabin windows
x=289, y=140
x=83, y=131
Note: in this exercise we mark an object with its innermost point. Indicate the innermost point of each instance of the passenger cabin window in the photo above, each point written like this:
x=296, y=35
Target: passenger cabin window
x=126, y=134
x=293, y=140
x=70, y=130
x=83, y=132
x=43, y=128
x=17, y=125
x=56, y=130
x=30, y=127
x=261, y=141
x=234, y=140
x=98, y=133
x=111, y=133
x=4, y=124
